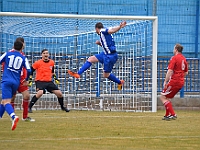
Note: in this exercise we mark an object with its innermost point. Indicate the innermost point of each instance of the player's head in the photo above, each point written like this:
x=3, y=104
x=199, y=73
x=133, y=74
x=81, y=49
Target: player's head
x=45, y=54
x=98, y=27
x=21, y=39
x=18, y=45
x=178, y=48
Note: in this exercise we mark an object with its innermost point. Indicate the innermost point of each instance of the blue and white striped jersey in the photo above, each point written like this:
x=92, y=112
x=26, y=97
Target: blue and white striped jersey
x=107, y=41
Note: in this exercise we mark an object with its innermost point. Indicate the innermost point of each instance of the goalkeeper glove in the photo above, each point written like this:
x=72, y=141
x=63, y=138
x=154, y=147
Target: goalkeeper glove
x=56, y=79
x=30, y=81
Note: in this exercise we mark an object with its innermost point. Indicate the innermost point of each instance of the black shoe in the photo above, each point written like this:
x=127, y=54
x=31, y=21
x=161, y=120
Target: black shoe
x=30, y=110
x=170, y=117
x=174, y=117
x=65, y=109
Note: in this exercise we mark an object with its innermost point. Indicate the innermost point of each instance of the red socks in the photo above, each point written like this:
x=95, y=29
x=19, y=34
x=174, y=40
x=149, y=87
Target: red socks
x=169, y=108
x=25, y=108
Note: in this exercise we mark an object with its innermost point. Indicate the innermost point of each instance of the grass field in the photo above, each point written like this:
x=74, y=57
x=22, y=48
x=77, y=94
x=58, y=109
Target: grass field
x=95, y=130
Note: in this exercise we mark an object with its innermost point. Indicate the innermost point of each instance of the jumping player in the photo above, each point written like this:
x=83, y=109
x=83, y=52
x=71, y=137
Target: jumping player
x=14, y=61
x=44, y=71
x=174, y=80
x=109, y=55
x=23, y=89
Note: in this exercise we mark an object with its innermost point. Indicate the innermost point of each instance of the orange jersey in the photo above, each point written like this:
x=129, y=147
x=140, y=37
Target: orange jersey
x=43, y=70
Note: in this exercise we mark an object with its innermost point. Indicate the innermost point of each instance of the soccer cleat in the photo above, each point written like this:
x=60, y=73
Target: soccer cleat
x=120, y=85
x=14, y=122
x=30, y=110
x=174, y=117
x=28, y=119
x=166, y=118
x=170, y=117
x=73, y=74
x=65, y=109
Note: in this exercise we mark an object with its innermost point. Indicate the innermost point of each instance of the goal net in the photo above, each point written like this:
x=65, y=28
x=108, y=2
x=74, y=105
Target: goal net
x=70, y=40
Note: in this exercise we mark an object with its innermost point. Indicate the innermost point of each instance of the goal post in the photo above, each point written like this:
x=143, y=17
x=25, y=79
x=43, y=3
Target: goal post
x=70, y=40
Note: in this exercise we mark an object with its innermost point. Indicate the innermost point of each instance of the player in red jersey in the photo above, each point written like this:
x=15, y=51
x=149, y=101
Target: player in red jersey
x=174, y=80
x=23, y=89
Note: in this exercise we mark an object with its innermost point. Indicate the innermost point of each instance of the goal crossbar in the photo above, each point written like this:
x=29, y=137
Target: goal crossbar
x=111, y=17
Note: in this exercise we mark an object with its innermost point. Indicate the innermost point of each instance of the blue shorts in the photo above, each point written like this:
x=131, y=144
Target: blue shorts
x=108, y=61
x=8, y=89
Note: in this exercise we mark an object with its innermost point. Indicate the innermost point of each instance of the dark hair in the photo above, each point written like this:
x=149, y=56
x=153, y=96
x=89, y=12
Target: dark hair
x=21, y=39
x=18, y=45
x=99, y=25
x=179, y=47
x=44, y=50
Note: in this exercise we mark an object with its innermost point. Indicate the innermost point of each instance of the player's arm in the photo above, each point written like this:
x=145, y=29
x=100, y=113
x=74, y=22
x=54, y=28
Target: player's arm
x=168, y=75
x=30, y=76
x=2, y=58
x=117, y=28
x=54, y=76
x=28, y=68
x=186, y=69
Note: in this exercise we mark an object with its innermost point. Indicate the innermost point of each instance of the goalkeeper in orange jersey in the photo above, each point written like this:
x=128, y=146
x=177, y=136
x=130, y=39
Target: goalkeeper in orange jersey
x=109, y=55
x=44, y=71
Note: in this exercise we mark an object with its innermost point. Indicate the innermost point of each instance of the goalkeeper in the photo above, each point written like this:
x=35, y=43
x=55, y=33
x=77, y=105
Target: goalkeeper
x=109, y=55
x=44, y=71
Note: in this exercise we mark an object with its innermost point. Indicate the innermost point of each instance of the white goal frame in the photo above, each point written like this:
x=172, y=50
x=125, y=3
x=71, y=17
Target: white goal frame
x=154, y=37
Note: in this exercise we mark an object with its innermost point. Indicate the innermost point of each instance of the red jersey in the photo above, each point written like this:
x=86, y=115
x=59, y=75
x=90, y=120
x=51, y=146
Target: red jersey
x=179, y=66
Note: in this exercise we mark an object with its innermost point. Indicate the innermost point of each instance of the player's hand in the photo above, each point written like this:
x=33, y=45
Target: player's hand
x=56, y=79
x=122, y=24
x=30, y=81
x=98, y=42
x=165, y=85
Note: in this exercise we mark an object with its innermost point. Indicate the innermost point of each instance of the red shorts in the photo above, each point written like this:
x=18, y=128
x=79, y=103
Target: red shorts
x=173, y=87
x=22, y=88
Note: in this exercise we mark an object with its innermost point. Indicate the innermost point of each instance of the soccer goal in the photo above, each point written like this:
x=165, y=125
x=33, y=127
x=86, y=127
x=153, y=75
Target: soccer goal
x=70, y=40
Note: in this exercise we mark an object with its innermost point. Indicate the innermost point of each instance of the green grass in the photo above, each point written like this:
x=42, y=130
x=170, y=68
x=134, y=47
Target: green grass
x=95, y=130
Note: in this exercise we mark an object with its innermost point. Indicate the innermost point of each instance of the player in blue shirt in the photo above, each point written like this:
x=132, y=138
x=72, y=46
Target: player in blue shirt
x=13, y=63
x=109, y=55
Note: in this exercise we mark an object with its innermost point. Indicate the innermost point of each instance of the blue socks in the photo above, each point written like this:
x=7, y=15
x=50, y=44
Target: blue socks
x=114, y=79
x=84, y=67
x=2, y=110
x=9, y=109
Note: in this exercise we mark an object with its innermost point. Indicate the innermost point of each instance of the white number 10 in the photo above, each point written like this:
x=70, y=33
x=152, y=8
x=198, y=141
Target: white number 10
x=15, y=62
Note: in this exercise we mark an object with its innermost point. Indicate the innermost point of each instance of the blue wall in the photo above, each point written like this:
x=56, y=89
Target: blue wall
x=178, y=20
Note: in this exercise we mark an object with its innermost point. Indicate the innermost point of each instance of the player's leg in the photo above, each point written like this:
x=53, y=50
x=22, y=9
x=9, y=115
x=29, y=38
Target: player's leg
x=13, y=101
x=26, y=96
x=40, y=86
x=34, y=100
x=2, y=110
x=86, y=65
x=52, y=88
x=8, y=90
x=109, y=62
x=166, y=95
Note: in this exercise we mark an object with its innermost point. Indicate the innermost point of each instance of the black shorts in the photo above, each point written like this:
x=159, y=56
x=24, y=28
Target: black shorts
x=44, y=85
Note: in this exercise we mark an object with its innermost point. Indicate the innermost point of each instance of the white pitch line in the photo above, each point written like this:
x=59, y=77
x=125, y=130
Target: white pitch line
x=75, y=117
x=99, y=138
